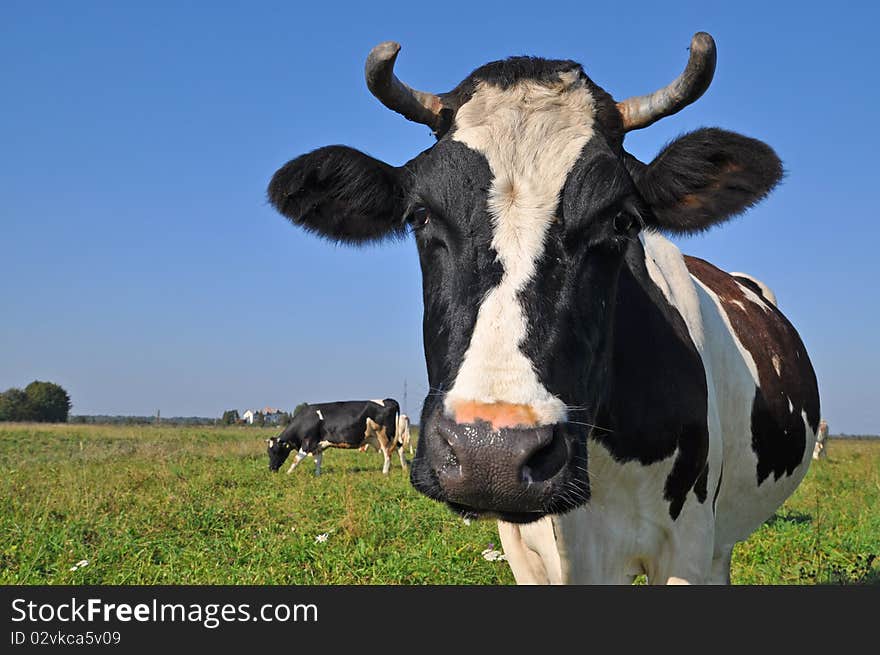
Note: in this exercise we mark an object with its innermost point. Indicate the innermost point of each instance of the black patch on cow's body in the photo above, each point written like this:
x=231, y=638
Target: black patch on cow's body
x=342, y=424
x=718, y=487
x=779, y=435
x=657, y=399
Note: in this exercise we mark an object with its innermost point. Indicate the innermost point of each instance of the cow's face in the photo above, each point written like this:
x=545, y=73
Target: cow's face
x=523, y=213
x=278, y=452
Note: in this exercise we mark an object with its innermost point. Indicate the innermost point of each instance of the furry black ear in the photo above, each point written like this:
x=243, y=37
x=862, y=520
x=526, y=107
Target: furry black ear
x=706, y=177
x=341, y=194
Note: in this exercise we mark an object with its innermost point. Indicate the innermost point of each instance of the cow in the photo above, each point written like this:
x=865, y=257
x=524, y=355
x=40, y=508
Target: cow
x=404, y=436
x=618, y=407
x=820, y=449
x=344, y=424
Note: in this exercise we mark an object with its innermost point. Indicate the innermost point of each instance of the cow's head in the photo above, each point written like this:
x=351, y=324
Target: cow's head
x=523, y=213
x=279, y=451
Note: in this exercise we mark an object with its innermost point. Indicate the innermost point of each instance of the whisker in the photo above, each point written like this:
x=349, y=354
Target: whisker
x=590, y=425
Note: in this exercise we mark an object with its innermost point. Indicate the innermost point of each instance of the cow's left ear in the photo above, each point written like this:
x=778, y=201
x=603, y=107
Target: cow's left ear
x=705, y=177
x=341, y=194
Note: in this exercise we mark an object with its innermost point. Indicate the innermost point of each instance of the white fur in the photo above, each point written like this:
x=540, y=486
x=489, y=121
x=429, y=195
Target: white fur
x=765, y=290
x=320, y=415
x=531, y=134
x=300, y=456
x=777, y=364
x=532, y=551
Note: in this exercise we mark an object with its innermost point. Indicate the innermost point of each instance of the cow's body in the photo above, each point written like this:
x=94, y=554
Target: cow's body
x=676, y=516
x=619, y=407
x=344, y=424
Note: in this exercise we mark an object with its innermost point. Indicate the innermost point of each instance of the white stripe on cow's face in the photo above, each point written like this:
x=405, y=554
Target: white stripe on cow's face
x=531, y=135
x=320, y=415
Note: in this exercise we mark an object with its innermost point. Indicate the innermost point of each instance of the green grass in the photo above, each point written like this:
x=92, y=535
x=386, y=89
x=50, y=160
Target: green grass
x=197, y=505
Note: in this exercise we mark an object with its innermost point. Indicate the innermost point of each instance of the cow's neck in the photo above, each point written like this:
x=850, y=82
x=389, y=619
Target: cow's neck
x=656, y=387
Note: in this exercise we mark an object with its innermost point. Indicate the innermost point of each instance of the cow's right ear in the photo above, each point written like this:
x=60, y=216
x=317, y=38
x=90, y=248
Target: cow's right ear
x=341, y=194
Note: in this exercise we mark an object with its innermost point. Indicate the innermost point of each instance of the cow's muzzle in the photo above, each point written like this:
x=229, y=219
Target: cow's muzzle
x=516, y=474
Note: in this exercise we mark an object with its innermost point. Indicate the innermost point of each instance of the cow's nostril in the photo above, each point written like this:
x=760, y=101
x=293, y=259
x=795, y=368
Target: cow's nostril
x=546, y=462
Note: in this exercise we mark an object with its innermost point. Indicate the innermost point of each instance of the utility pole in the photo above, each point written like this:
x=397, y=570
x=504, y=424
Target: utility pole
x=405, y=406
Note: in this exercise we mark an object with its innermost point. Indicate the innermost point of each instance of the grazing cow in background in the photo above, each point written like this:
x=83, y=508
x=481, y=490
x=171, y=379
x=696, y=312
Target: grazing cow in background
x=404, y=437
x=619, y=407
x=346, y=424
x=820, y=449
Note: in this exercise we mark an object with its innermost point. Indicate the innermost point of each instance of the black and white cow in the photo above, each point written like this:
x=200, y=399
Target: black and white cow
x=619, y=407
x=345, y=424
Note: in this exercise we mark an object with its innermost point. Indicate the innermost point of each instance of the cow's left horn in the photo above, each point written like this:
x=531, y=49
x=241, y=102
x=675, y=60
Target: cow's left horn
x=417, y=106
x=641, y=111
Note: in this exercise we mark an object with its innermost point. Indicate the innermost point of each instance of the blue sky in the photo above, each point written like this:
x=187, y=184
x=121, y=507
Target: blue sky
x=142, y=269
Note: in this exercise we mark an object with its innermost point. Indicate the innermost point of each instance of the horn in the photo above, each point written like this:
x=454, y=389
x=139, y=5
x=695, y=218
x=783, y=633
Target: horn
x=417, y=106
x=641, y=111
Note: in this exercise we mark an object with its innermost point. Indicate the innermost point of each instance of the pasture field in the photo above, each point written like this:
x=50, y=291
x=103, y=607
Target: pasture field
x=197, y=505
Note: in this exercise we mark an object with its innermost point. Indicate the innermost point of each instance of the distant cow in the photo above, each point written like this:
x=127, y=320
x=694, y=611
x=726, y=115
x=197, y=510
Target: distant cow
x=346, y=424
x=403, y=434
x=819, y=450
x=404, y=438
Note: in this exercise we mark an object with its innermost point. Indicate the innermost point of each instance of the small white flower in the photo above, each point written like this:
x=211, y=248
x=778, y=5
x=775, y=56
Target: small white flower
x=492, y=555
x=321, y=538
x=467, y=521
x=79, y=564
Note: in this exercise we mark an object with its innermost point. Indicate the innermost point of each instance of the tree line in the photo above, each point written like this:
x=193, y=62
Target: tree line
x=232, y=417
x=41, y=402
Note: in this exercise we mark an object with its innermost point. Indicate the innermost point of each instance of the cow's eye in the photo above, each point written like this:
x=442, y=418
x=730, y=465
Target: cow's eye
x=625, y=222
x=420, y=216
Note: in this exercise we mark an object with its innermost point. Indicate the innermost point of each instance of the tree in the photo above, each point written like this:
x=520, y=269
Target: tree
x=299, y=408
x=14, y=406
x=50, y=402
x=230, y=417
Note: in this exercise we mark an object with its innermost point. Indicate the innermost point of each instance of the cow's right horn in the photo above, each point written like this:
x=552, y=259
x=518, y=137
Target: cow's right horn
x=417, y=106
